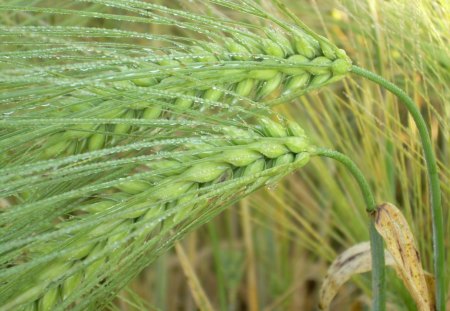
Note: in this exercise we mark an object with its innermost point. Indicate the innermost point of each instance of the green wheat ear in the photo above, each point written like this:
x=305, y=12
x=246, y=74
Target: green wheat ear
x=240, y=65
x=266, y=71
x=145, y=213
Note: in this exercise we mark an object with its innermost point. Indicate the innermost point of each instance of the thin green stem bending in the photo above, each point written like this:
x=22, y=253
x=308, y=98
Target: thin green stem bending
x=430, y=159
x=376, y=241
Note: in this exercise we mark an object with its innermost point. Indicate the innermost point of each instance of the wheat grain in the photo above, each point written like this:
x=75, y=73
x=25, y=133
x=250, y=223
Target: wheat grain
x=252, y=157
x=287, y=66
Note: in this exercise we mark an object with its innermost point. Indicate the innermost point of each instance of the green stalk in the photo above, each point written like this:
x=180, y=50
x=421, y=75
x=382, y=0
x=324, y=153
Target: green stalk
x=376, y=241
x=433, y=177
x=218, y=266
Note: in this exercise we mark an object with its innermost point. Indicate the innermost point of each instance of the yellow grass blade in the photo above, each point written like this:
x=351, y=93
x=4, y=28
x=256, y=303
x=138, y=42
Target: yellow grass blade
x=354, y=260
x=200, y=297
x=394, y=229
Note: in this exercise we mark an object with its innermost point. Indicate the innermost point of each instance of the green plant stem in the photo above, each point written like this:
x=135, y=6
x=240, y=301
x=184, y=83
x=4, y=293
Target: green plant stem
x=430, y=159
x=218, y=266
x=376, y=241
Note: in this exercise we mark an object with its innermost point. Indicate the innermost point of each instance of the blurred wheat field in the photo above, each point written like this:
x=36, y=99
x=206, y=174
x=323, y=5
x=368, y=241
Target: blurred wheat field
x=271, y=250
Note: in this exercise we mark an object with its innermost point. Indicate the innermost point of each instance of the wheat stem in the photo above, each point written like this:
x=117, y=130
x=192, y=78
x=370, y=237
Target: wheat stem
x=433, y=178
x=377, y=249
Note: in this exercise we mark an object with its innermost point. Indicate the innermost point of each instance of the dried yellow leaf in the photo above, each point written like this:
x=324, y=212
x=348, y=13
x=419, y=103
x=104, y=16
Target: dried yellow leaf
x=357, y=259
x=197, y=291
x=354, y=260
x=393, y=227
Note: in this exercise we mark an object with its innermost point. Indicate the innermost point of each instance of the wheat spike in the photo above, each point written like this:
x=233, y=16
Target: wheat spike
x=170, y=199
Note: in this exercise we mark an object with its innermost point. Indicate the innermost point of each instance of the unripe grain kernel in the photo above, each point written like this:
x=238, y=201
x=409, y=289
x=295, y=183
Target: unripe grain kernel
x=79, y=131
x=273, y=49
x=170, y=167
x=113, y=113
x=251, y=44
x=119, y=234
x=269, y=149
x=183, y=103
x=296, y=83
x=185, y=200
x=233, y=74
x=301, y=159
x=171, y=190
x=71, y=284
x=150, y=221
x=138, y=105
x=203, y=55
x=251, y=170
x=271, y=128
x=284, y=159
x=49, y=300
x=296, y=60
x=205, y=150
x=263, y=74
x=340, y=53
x=254, y=168
x=136, y=211
x=97, y=207
x=327, y=50
x=237, y=48
x=205, y=172
x=320, y=79
x=81, y=248
x=270, y=86
x=320, y=65
x=305, y=46
x=152, y=113
x=295, y=129
x=241, y=157
x=239, y=136
x=56, y=149
x=245, y=87
x=104, y=228
x=96, y=141
x=212, y=94
x=124, y=128
x=340, y=67
x=297, y=144
x=95, y=267
x=80, y=107
x=42, y=249
x=72, y=148
x=171, y=83
x=145, y=82
x=133, y=186
x=281, y=40
x=169, y=62
x=53, y=270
